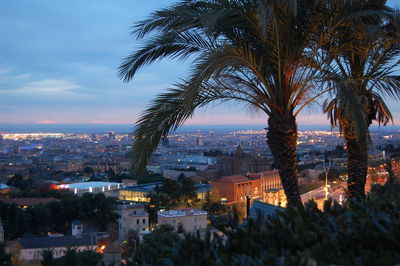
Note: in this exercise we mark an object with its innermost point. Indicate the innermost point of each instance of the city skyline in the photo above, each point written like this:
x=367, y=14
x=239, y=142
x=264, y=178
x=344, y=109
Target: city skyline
x=60, y=64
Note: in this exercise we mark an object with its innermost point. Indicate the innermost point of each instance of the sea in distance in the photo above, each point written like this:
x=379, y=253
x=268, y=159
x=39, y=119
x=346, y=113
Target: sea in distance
x=126, y=128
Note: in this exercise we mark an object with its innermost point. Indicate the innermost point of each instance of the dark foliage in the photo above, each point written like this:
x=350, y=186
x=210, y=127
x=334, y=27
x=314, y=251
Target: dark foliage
x=57, y=216
x=72, y=258
x=360, y=233
x=5, y=258
x=18, y=181
x=170, y=194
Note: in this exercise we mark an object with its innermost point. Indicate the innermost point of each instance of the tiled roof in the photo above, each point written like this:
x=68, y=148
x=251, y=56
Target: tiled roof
x=233, y=179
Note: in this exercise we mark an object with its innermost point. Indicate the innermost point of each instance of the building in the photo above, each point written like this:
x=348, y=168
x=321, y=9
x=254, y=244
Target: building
x=174, y=174
x=241, y=163
x=76, y=228
x=275, y=197
x=30, y=248
x=133, y=217
x=112, y=254
x=271, y=187
x=191, y=220
x=139, y=193
x=234, y=189
x=108, y=188
x=129, y=182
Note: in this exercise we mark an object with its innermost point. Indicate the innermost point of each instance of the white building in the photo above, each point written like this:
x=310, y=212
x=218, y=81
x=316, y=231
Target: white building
x=108, y=188
x=133, y=217
x=190, y=219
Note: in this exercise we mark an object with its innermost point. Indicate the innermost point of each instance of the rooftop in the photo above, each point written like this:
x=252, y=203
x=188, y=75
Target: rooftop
x=150, y=186
x=233, y=179
x=57, y=241
x=181, y=212
x=262, y=209
x=87, y=185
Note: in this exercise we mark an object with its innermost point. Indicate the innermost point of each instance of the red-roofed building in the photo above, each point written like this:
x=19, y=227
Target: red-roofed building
x=234, y=189
x=264, y=186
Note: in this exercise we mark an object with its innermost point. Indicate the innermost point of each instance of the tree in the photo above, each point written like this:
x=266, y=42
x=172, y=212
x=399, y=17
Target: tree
x=249, y=51
x=48, y=258
x=156, y=245
x=18, y=181
x=89, y=258
x=158, y=201
x=70, y=258
x=130, y=244
x=362, y=56
x=41, y=219
x=187, y=191
x=212, y=204
x=88, y=170
x=5, y=258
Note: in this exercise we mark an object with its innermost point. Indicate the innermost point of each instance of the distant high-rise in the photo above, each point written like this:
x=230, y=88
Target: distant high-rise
x=111, y=135
x=199, y=141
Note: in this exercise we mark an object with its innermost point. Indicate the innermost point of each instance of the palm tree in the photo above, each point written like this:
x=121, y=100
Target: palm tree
x=363, y=53
x=248, y=51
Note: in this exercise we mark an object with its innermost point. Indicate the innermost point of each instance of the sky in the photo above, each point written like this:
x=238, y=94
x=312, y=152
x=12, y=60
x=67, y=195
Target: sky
x=59, y=60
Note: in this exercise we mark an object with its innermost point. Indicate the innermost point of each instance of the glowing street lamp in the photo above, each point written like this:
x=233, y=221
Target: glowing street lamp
x=326, y=180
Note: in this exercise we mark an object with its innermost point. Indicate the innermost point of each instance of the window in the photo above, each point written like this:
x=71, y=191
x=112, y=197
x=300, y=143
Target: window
x=144, y=221
x=137, y=221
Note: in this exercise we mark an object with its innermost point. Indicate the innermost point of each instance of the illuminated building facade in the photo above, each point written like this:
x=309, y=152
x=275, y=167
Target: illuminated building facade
x=108, y=188
x=234, y=189
x=139, y=193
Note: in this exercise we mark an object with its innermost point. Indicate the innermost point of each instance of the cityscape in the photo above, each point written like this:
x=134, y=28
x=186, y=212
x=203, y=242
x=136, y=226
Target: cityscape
x=199, y=132
x=228, y=167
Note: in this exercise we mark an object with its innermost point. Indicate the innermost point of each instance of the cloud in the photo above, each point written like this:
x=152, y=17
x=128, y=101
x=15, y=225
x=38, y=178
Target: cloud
x=46, y=122
x=50, y=86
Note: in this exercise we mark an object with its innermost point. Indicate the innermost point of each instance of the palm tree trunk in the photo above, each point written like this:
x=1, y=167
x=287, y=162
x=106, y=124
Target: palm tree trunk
x=357, y=162
x=282, y=140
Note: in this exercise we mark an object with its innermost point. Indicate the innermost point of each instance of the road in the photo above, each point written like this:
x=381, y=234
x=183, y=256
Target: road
x=320, y=193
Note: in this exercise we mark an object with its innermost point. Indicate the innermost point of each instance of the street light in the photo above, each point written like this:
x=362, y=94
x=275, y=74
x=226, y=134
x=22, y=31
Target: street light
x=326, y=180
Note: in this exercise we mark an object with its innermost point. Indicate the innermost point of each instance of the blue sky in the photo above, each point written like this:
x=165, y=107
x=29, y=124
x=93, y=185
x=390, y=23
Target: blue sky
x=59, y=64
